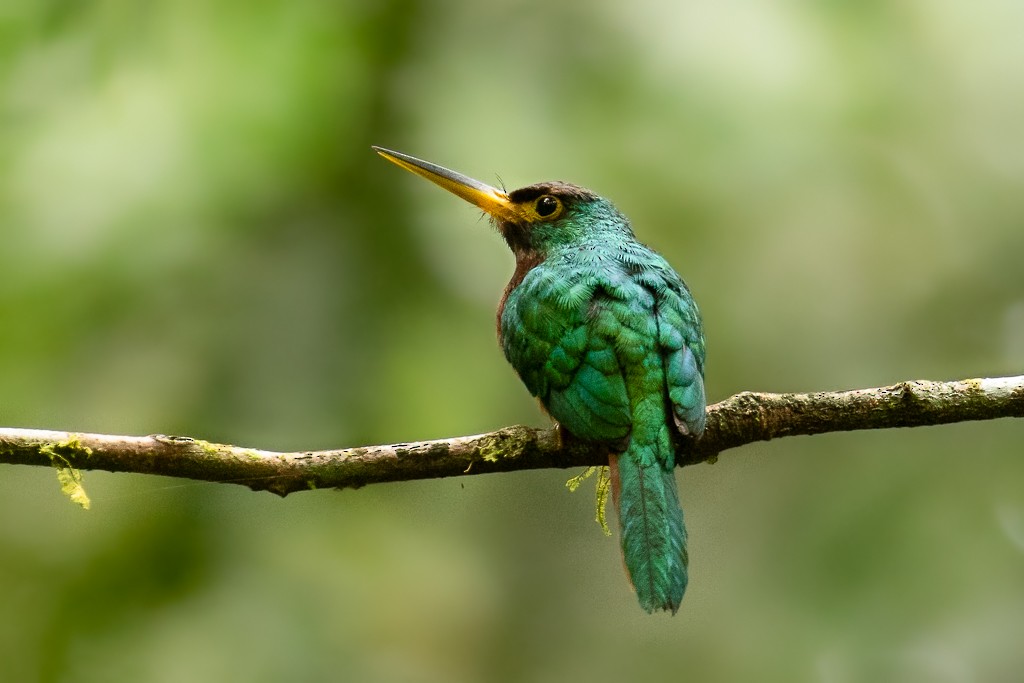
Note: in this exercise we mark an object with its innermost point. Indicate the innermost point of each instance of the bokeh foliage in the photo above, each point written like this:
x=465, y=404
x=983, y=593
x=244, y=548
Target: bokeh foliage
x=197, y=239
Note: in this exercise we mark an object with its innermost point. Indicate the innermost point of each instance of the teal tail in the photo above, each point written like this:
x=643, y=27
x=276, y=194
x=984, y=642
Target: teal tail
x=651, y=524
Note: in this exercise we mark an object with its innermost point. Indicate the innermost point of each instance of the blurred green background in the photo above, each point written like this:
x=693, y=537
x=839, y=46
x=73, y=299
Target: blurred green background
x=197, y=239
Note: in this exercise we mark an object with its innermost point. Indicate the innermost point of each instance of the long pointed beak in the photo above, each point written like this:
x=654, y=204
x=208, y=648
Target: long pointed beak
x=492, y=200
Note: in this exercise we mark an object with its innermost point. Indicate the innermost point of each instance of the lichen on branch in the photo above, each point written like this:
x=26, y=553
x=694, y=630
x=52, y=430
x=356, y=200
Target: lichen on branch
x=741, y=419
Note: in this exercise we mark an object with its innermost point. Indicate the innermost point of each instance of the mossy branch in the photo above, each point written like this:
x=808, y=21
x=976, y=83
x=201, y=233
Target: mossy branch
x=741, y=419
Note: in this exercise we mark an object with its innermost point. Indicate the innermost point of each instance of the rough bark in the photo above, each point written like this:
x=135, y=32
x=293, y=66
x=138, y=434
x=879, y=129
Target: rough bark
x=741, y=419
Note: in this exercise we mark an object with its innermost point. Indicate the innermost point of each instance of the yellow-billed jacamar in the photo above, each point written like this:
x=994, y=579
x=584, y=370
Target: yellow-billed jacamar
x=604, y=332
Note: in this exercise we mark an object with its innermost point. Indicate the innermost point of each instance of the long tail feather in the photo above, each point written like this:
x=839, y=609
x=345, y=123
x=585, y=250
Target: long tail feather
x=651, y=524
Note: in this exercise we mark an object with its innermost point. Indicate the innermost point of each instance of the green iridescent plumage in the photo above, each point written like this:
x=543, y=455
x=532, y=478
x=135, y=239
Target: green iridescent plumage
x=605, y=333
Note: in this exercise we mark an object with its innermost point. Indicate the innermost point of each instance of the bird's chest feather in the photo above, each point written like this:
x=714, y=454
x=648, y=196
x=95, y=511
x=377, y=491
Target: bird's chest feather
x=556, y=314
x=540, y=304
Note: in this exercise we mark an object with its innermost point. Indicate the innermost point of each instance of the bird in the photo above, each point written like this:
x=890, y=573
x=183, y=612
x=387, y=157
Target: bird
x=608, y=337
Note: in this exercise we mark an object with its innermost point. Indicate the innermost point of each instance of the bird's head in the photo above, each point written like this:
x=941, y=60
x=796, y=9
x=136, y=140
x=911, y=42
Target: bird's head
x=534, y=219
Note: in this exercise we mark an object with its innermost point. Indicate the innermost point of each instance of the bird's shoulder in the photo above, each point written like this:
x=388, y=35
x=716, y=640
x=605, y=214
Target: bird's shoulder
x=569, y=284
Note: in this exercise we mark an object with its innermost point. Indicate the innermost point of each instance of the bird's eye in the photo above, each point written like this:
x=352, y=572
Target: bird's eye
x=547, y=205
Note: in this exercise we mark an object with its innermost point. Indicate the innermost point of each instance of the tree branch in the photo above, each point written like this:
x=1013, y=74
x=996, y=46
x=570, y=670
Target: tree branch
x=744, y=418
